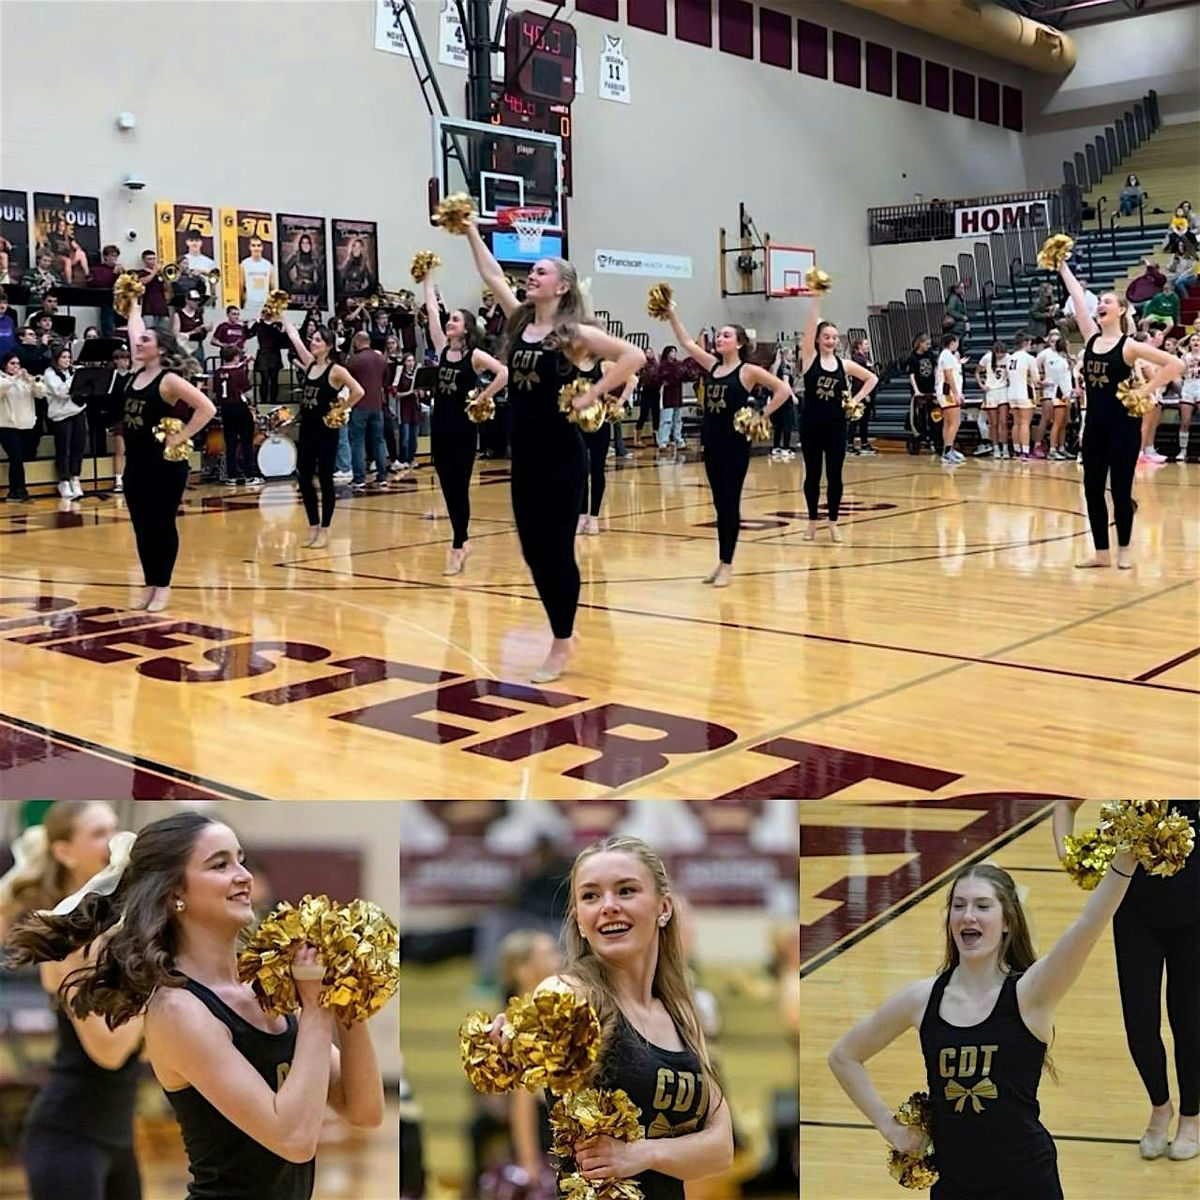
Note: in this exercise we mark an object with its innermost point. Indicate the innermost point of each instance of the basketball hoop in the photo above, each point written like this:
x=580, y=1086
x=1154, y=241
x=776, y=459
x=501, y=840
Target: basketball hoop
x=793, y=289
x=529, y=224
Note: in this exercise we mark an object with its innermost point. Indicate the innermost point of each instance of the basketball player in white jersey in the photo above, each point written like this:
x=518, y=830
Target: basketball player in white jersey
x=258, y=279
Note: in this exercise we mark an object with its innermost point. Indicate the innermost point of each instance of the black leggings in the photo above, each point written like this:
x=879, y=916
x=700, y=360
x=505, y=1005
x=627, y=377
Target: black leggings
x=823, y=440
x=13, y=443
x=268, y=383
x=153, y=490
x=859, y=428
x=783, y=420
x=59, y=1165
x=237, y=423
x=648, y=409
x=546, y=490
x=597, y=448
x=725, y=465
x=1111, y=442
x=316, y=454
x=1143, y=952
x=454, y=460
x=70, y=442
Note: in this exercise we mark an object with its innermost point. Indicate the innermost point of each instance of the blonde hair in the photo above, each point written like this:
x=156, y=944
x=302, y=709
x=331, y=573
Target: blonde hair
x=514, y=951
x=43, y=883
x=572, y=312
x=670, y=985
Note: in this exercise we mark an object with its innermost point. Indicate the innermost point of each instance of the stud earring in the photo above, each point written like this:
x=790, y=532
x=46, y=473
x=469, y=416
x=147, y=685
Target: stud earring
x=662, y=921
x=179, y=906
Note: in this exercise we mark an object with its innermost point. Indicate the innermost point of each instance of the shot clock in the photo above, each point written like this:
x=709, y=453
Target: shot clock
x=539, y=60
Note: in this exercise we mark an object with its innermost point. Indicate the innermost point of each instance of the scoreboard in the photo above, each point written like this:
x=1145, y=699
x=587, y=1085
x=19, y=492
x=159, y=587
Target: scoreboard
x=513, y=110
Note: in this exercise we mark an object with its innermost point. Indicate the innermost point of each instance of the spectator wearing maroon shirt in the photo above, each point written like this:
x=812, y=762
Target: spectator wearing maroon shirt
x=154, y=302
x=103, y=276
x=231, y=331
x=671, y=375
x=369, y=368
x=189, y=326
x=409, y=411
x=230, y=388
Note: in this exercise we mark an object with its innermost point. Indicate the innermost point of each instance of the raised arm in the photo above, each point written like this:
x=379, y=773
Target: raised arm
x=780, y=389
x=848, y=1059
x=690, y=346
x=1063, y=823
x=808, y=339
x=1087, y=326
x=135, y=327
x=482, y=361
x=490, y=271
x=303, y=354
x=437, y=335
x=1041, y=988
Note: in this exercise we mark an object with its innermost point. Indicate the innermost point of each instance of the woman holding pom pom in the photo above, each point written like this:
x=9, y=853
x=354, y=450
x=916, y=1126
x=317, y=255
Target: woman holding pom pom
x=1112, y=438
x=78, y=1136
x=823, y=419
x=548, y=336
x=985, y=1022
x=1155, y=931
x=454, y=436
x=154, y=485
x=249, y=1090
x=730, y=380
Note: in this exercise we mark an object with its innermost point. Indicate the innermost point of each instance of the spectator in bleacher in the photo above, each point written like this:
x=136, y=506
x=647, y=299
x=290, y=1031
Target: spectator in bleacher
x=1147, y=284
x=991, y=374
x=8, y=325
x=955, y=321
x=154, y=301
x=1182, y=273
x=33, y=350
x=670, y=428
x=41, y=277
x=68, y=420
x=1133, y=195
x=1181, y=236
x=231, y=331
x=1162, y=308
x=1069, y=320
x=18, y=418
x=1045, y=308
x=1193, y=218
x=189, y=326
x=103, y=275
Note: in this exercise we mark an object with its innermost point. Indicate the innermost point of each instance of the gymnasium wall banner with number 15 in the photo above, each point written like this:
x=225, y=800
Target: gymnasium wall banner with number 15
x=241, y=229
x=175, y=225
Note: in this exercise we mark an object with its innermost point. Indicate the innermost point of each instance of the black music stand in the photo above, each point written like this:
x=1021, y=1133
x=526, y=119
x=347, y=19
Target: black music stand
x=93, y=384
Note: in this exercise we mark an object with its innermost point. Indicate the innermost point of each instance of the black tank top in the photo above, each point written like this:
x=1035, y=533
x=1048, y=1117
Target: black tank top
x=723, y=396
x=227, y=1164
x=535, y=375
x=669, y=1088
x=455, y=379
x=824, y=390
x=84, y=1099
x=988, y=1140
x=1101, y=374
x=599, y=437
x=317, y=397
x=1168, y=903
x=144, y=408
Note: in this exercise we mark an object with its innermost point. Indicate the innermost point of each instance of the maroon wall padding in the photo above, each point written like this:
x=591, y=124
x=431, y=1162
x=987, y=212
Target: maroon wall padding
x=291, y=872
x=598, y=8
x=1014, y=109
x=989, y=101
x=847, y=60
x=937, y=86
x=908, y=77
x=879, y=69
x=735, y=23
x=812, y=42
x=693, y=21
x=775, y=38
x=964, y=94
x=647, y=14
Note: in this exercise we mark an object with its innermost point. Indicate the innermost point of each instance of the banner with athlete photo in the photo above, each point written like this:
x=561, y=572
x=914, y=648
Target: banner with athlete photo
x=247, y=259
x=303, y=260
x=184, y=231
x=68, y=229
x=355, y=259
x=14, y=235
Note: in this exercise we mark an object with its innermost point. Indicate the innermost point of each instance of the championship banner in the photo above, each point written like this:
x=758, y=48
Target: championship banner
x=68, y=229
x=984, y=219
x=247, y=259
x=184, y=231
x=303, y=260
x=14, y=235
x=355, y=259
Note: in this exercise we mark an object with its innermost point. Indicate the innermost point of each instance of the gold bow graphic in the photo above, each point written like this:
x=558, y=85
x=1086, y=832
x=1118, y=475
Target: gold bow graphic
x=525, y=379
x=985, y=1089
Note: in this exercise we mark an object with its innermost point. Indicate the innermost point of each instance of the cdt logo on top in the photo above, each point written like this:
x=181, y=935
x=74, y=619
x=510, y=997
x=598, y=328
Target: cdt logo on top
x=640, y=262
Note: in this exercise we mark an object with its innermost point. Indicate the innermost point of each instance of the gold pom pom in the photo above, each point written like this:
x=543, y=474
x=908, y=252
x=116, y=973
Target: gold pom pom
x=614, y=409
x=588, y=419
x=163, y=430
x=753, y=425
x=658, y=302
x=275, y=305
x=126, y=287
x=1137, y=401
x=455, y=212
x=1159, y=839
x=555, y=1039
x=817, y=281
x=487, y=1065
x=480, y=408
x=358, y=943
x=337, y=416
x=852, y=407
x=423, y=262
x=575, y=1187
x=1086, y=857
x=914, y=1171
x=1055, y=251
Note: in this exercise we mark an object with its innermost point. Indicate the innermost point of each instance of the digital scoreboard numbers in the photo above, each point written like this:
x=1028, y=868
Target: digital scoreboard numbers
x=515, y=111
x=539, y=57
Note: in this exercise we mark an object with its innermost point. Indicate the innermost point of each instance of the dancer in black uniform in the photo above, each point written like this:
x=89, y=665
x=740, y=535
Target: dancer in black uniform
x=823, y=419
x=985, y=1021
x=597, y=444
x=153, y=485
x=625, y=955
x=249, y=1090
x=453, y=435
x=1157, y=930
x=726, y=451
x=78, y=1136
x=1112, y=437
x=317, y=445
x=547, y=336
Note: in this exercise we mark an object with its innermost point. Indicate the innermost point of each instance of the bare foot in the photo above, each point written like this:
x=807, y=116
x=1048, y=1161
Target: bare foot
x=314, y=532
x=810, y=531
x=835, y=534
x=456, y=560
x=723, y=576
x=561, y=650
x=321, y=540
x=143, y=601
x=162, y=597
x=1100, y=559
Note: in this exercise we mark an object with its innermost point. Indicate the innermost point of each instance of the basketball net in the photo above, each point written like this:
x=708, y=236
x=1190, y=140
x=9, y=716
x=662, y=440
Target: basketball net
x=528, y=223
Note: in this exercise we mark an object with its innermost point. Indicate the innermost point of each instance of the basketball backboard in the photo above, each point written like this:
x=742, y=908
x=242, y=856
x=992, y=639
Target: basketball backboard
x=500, y=168
x=786, y=268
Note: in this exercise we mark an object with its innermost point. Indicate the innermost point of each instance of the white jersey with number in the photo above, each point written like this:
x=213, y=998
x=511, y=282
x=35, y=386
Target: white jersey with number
x=256, y=276
x=1022, y=367
x=1055, y=372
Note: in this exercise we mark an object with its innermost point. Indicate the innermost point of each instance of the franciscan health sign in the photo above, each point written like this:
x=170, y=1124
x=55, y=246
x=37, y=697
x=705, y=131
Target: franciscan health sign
x=637, y=262
x=996, y=218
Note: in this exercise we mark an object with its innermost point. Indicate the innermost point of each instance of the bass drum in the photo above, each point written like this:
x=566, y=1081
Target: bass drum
x=276, y=458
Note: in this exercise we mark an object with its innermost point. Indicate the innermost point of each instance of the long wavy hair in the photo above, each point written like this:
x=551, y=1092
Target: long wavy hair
x=473, y=337
x=139, y=955
x=572, y=312
x=173, y=356
x=43, y=883
x=670, y=984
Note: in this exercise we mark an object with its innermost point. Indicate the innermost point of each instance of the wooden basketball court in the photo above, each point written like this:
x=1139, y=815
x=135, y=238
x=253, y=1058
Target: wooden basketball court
x=872, y=905
x=947, y=647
